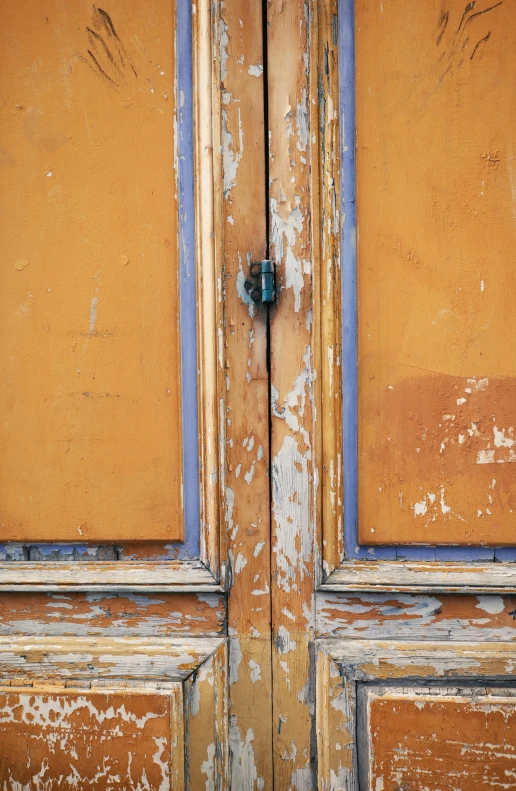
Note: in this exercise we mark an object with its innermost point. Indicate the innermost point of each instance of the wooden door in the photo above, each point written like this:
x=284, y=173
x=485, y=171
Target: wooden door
x=413, y=370
x=134, y=400
x=244, y=546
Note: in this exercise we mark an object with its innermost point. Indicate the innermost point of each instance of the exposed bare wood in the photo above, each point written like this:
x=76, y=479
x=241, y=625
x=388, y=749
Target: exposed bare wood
x=107, y=576
x=113, y=615
x=415, y=617
x=51, y=658
x=244, y=413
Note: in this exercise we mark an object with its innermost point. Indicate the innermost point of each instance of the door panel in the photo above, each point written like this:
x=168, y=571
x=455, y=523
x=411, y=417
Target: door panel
x=106, y=739
x=463, y=740
x=435, y=178
x=114, y=714
x=409, y=735
x=91, y=364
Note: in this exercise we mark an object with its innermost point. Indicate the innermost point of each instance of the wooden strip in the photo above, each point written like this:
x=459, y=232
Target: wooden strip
x=326, y=314
x=116, y=615
x=369, y=659
x=206, y=724
x=46, y=658
x=209, y=235
x=106, y=576
x=336, y=740
x=424, y=577
x=244, y=417
x=292, y=88
x=415, y=617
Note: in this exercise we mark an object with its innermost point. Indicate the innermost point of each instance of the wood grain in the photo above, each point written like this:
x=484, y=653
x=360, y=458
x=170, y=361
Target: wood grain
x=244, y=415
x=464, y=741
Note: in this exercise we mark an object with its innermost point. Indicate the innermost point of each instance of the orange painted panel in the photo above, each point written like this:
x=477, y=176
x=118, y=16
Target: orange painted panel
x=436, y=215
x=449, y=743
x=117, y=740
x=89, y=360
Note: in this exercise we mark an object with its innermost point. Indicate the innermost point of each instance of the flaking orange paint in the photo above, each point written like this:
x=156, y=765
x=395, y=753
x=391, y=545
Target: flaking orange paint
x=453, y=742
x=90, y=368
x=436, y=209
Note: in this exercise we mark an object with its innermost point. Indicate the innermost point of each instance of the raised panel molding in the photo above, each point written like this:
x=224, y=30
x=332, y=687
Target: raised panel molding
x=345, y=666
x=168, y=698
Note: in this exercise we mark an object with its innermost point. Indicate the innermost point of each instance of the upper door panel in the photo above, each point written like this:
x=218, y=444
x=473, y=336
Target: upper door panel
x=436, y=346
x=91, y=353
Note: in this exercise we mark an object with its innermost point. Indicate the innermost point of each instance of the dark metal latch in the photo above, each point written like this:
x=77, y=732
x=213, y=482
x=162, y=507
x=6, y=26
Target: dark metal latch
x=262, y=286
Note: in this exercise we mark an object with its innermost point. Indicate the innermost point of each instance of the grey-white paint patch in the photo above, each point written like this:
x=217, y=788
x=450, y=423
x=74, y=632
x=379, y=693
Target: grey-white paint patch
x=256, y=70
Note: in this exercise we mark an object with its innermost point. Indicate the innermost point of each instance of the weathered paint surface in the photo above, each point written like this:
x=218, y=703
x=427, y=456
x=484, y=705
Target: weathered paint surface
x=303, y=190
x=113, y=615
x=244, y=416
x=148, y=733
x=447, y=742
x=90, y=343
x=292, y=539
x=342, y=724
x=416, y=617
x=121, y=739
x=435, y=218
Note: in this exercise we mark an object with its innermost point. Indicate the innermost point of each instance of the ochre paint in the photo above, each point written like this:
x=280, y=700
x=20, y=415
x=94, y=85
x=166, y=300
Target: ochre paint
x=90, y=384
x=436, y=216
x=440, y=743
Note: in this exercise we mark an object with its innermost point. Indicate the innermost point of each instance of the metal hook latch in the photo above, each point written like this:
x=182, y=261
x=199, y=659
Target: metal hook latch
x=262, y=286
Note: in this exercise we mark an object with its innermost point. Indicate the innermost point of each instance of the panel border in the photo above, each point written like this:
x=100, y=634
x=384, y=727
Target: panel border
x=165, y=666
x=342, y=664
x=345, y=565
x=200, y=256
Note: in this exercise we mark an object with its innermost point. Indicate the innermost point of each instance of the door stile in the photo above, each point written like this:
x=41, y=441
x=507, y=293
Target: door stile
x=303, y=218
x=244, y=415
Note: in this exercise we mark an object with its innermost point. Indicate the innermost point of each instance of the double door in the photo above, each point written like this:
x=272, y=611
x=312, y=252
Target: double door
x=252, y=544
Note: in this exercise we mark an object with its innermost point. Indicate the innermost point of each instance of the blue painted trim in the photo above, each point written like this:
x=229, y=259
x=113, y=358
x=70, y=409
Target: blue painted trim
x=187, y=287
x=349, y=331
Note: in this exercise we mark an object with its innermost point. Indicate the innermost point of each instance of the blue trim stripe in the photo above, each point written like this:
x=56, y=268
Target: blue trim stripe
x=349, y=331
x=187, y=288
x=189, y=548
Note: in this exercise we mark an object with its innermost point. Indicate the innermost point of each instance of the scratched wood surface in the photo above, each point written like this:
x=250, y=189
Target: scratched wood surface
x=415, y=617
x=350, y=670
x=302, y=80
x=90, y=342
x=292, y=530
x=436, y=185
x=113, y=614
x=121, y=739
x=441, y=742
x=244, y=409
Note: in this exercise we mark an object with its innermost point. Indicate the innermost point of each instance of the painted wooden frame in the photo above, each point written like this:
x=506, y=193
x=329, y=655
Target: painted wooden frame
x=342, y=665
x=344, y=564
x=189, y=673
x=198, y=120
